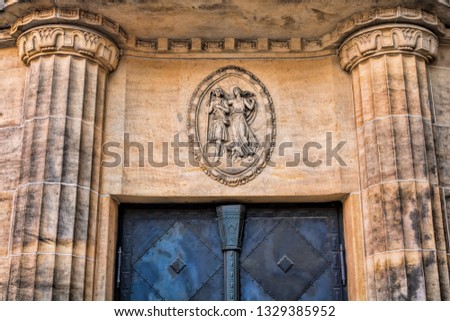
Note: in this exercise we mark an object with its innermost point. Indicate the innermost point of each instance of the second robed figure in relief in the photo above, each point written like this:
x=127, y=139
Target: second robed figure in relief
x=230, y=117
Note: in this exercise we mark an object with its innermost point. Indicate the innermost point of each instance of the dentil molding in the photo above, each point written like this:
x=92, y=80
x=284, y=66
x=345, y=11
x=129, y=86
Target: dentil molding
x=68, y=40
x=388, y=39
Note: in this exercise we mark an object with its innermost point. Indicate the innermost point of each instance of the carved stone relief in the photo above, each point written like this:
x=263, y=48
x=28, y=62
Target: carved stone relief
x=231, y=125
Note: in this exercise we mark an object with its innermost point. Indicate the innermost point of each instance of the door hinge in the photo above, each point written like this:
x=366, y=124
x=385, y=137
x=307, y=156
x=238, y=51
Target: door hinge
x=342, y=261
x=119, y=266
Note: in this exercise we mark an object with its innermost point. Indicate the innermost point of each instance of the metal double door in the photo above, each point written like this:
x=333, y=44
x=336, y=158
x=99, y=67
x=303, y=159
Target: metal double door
x=287, y=252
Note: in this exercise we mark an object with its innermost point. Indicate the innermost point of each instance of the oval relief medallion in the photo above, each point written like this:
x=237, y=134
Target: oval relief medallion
x=231, y=125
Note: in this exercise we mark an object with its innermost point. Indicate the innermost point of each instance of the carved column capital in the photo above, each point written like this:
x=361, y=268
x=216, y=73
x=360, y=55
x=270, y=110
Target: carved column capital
x=388, y=39
x=231, y=222
x=68, y=40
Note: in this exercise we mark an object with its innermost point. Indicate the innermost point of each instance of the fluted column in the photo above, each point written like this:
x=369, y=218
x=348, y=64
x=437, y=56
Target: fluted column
x=403, y=221
x=56, y=208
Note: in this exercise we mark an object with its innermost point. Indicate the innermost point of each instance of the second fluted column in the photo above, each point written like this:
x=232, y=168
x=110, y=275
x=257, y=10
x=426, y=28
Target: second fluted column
x=403, y=222
x=56, y=211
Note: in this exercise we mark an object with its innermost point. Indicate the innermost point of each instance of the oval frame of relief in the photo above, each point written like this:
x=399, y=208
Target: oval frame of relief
x=232, y=132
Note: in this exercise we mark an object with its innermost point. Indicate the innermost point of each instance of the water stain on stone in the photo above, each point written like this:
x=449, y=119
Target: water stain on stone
x=128, y=1
x=413, y=217
x=395, y=285
x=215, y=6
x=288, y=21
x=290, y=1
x=429, y=260
x=414, y=275
x=319, y=14
x=267, y=20
x=45, y=240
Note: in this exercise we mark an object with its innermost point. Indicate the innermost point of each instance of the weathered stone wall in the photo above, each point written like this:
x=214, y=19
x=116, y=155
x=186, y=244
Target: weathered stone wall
x=12, y=80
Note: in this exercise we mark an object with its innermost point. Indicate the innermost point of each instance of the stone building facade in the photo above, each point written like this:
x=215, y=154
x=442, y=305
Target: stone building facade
x=319, y=127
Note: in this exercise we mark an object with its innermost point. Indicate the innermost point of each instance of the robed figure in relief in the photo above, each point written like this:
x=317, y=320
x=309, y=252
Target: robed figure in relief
x=243, y=143
x=230, y=117
x=218, y=111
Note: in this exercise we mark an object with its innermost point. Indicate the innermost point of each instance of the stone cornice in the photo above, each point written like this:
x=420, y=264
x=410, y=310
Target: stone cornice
x=68, y=40
x=389, y=15
x=388, y=39
x=282, y=47
x=165, y=45
x=295, y=45
x=70, y=16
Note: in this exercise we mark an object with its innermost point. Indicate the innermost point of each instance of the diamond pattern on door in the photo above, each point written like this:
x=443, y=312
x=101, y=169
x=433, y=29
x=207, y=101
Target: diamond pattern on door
x=171, y=255
x=290, y=253
x=284, y=263
x=178, y=265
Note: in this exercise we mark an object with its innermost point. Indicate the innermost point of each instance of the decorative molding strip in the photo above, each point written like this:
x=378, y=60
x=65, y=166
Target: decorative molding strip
x=70, y=16
x=218, y=45
x=390, y=38
x=295, y=45
x=387, y=15
x=68, y=40
x=225, y=54
x=180, y=45
x=148, y=44
x=213, y=45
x=6, y=40
x=311, y=45
x=246, y=44
x=279, y=45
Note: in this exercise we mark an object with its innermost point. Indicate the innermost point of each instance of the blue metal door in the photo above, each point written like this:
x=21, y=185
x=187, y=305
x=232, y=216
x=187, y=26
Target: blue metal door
x=291, y=253
x=171, y=253
x=175, y=253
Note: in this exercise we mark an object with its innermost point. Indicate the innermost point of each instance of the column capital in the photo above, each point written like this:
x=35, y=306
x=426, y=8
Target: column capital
x=73, y=16
x=68, y=40
x=69, y=32
x=388, y=39
x=231, y=222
